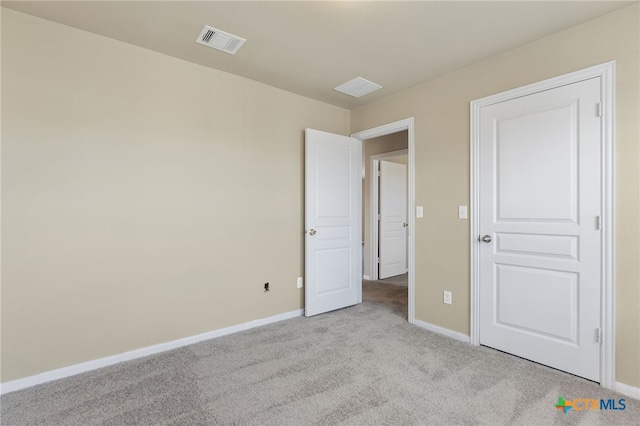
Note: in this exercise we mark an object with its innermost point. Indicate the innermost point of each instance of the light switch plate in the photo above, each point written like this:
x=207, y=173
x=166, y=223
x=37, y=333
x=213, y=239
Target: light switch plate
x=462, y=212
x=419, y=211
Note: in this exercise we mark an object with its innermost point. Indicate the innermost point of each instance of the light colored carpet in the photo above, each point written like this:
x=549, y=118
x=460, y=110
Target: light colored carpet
x=364, y=365
x=397, y=280
x=392, y=292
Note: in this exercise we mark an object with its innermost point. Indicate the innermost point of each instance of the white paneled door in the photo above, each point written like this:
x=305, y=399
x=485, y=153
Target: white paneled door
x=333, y=202
x=540, y=238
x=393, y=219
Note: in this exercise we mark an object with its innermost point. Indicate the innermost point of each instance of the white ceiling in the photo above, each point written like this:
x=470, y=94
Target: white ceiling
x=310, y=47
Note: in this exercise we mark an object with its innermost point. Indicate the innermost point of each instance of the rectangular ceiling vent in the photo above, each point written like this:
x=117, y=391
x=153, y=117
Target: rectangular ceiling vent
x=358, y=87
x=220, y=40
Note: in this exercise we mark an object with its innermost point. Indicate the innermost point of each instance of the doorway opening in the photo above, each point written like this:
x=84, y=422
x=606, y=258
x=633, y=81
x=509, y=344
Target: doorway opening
x=385, y=210
x=393, y=140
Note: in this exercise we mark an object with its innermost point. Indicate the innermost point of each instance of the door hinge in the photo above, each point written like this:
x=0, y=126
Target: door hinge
x=598, y=335
x=378, y=217
x=599, y=109
x=598, y=222
x=378, y=173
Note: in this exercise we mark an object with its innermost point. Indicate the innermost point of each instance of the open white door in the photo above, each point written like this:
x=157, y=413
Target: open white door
x=540, y=236
x=333, y=203
x=393, y=219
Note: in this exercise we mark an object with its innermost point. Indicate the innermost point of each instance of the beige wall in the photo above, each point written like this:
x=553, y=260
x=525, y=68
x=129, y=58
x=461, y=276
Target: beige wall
x=388, y=143
x=441, y=111
x=145, y=198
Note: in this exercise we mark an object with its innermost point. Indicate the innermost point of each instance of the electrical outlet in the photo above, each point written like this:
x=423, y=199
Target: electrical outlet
x=266, y=286
x=447, y=297
x=299, y=282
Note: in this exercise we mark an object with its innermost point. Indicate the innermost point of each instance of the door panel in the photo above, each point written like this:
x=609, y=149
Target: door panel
x=536, y=154
x=333, y=168
x=393, y=219
x=549, y=246
x=522, y=293
x=539, y=204
x=337, y=277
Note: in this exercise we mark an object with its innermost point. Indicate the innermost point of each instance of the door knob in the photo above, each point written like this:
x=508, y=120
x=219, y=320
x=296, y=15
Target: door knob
x=404, y=225
x=312, y=232
x=486, y=239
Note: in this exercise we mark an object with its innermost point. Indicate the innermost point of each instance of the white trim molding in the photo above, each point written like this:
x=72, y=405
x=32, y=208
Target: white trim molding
x=387, y=129
x=72, y=370
x=628, y=390
x=444, y=331
x=606, y=72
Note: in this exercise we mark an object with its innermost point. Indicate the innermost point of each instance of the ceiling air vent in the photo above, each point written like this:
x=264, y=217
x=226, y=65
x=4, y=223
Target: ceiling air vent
x=220, y=40
x=358, y=87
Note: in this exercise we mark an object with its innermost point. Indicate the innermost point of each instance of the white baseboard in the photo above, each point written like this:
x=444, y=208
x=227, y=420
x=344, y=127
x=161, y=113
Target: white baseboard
x=366, y=277
x=60, y=373
x=441, y=330
x=630, y=391
x=72, y=370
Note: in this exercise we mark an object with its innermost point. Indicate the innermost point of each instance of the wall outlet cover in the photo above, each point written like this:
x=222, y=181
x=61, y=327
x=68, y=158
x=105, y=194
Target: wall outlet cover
x=462, y=212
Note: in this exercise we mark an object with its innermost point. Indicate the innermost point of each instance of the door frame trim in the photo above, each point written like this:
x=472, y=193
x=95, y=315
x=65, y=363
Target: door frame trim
x=606, y=72
x=374, y=204
x=387, y=129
